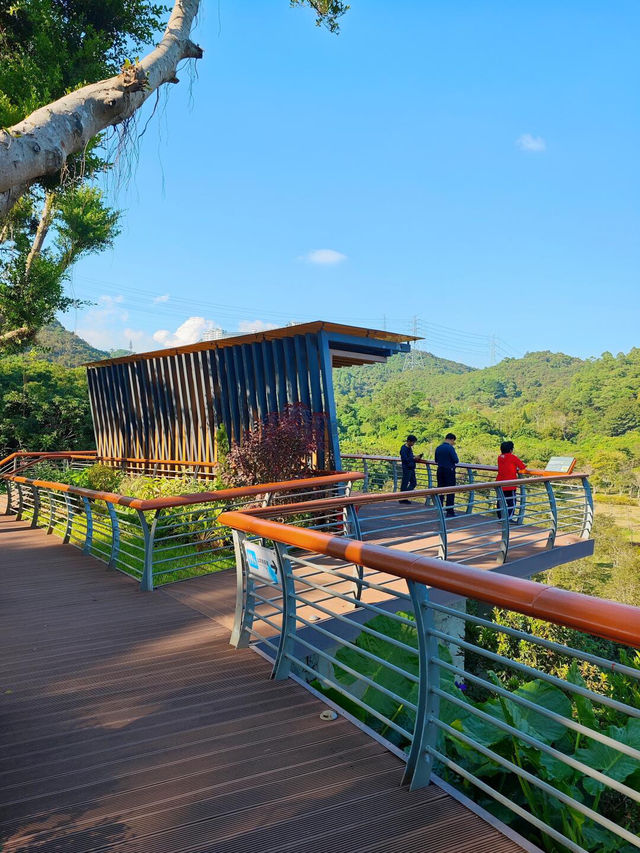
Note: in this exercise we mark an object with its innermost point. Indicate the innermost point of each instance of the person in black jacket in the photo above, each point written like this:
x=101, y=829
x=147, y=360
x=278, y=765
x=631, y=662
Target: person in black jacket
x=408, y=466
x=446, y=460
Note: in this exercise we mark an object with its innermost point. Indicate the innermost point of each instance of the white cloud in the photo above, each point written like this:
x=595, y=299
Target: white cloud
x=189, y=332
x=527, y=142
x=246, y=327
x=163, y=298
x=325, y=256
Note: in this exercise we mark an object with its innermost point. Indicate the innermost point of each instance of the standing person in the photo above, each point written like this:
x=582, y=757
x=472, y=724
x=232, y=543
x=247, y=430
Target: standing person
x=446, y=460
x=408, y=466
x=508, y=467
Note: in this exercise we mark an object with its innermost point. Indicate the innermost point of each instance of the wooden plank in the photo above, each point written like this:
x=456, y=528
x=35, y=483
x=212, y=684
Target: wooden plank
x=132, y=725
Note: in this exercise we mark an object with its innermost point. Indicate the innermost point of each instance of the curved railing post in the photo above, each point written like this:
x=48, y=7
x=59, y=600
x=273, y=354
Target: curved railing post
x=35, y=493
x=442, y=527
x=471, y=494
x=353, y=531
x=420, y=761
x=146, y=581
x=503, y=515
x=20, y=502
x=52, y=513
x=69, y=523
x=522, y=504
x=8, y=509
x=115, y=535
x=88, y=539
x=245, y=598
x=282, y=664
x=553, y=507
x=587, y=519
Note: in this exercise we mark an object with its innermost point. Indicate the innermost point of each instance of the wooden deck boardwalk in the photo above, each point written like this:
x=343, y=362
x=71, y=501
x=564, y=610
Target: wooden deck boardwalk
x=130, y=724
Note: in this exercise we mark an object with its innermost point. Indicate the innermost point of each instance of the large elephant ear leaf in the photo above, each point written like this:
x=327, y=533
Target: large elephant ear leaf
x=584, y=706
x=534, y=723
x=609, y=761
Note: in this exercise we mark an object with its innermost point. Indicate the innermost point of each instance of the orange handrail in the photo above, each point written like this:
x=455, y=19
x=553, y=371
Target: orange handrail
x=376, y=458
x=600, y=617
x=379, y=497
x=190, y=499
x=136, y=460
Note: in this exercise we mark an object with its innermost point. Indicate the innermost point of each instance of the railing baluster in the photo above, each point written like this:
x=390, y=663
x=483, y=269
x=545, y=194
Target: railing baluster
x=442, y=527
x=52, y=513
x=146, y=581
x=587, y=522
x=472, y=494
x=394, y=472
x=20, y=502
x=503, y=514
x=245, y=597
x=282, y=664
x=417, y=773
x=69, y=524
x=36, y=505
x=9, y=508
x=115, y=535
x=88, y=539
x=365, y=471
x=554, y=515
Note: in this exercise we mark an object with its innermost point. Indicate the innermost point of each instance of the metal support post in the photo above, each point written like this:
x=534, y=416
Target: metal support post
x=353, y=531
x=52, y=513
x=88, y=539
x=394, y=473
x=587, y=520
x=245, y=599
x=365, y=471
x=282, y=665
x=115, y=535
x=20, y=502
x=9, y=508
x=35, y=493
x=553, y=507
x=522, y=504
x=419, y=762
x=146, y=582
x=470, y=495
x=69, y=524
x=504, y=516
x=442, y=525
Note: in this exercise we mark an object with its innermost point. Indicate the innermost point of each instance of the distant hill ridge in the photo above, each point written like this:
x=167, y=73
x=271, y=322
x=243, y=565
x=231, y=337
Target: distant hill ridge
x=58, y=345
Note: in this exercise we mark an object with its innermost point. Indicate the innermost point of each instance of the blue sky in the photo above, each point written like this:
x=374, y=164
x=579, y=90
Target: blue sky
x=471, y=164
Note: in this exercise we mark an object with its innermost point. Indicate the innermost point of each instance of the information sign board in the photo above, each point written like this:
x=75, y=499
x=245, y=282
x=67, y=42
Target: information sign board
x=561, y=464
x=261, y=561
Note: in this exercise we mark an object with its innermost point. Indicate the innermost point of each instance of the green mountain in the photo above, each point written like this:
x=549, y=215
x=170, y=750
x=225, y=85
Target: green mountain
x=547, y=403
x=56, y=344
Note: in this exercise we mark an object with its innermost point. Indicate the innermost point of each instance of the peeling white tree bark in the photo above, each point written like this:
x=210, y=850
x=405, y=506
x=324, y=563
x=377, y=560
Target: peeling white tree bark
x=40, y=144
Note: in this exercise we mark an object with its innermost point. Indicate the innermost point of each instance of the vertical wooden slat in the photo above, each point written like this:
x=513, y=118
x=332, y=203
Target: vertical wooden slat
x=302, y=370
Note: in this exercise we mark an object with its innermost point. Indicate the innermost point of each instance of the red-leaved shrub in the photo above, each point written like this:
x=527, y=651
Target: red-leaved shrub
x=282, y=447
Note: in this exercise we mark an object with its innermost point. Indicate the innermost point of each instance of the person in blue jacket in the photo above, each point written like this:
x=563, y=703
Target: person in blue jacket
x=446, y=460
x=408, y=466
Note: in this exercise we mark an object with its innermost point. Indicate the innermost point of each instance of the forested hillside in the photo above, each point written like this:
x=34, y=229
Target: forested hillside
x=55, y=343
x=547, y=403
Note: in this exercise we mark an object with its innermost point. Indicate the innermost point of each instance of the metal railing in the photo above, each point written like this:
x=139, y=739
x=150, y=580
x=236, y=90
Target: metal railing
x=544, y=510
x=542, y=729
x=22, y=460
x=384, y=473
x=160, y=540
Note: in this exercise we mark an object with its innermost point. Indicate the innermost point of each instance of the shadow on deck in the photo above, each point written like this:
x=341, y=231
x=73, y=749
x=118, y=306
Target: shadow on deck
x=129, y=724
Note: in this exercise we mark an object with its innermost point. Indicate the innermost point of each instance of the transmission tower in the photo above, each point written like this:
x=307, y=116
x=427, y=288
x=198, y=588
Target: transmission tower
x=415, y=357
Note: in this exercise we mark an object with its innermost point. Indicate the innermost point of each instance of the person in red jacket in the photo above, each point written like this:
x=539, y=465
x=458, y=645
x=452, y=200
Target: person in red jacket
x=508, y=467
